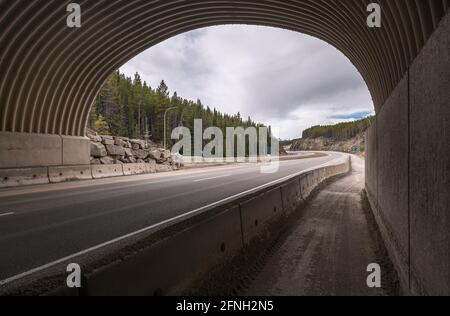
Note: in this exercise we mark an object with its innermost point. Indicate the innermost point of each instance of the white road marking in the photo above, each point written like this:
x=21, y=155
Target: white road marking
x=168, y=221
x=213, y=178
x=7, y=214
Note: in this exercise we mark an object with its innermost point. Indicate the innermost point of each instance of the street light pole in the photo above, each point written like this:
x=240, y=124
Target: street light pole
x=165, y=125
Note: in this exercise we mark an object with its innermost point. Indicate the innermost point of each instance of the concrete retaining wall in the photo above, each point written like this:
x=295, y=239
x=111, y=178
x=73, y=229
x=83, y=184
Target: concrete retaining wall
x=19, y=150
x=170, y=266
x=408, y=170
x=29, y=150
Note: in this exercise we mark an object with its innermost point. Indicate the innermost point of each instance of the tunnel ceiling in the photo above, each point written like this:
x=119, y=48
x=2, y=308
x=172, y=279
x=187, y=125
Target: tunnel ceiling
x=50, y=74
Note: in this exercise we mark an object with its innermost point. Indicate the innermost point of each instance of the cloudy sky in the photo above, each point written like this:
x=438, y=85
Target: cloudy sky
x=278, y=77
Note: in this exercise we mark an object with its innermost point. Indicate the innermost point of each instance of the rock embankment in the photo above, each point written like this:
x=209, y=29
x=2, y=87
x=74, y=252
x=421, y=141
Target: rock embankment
x=356, y=144
x=108, y=150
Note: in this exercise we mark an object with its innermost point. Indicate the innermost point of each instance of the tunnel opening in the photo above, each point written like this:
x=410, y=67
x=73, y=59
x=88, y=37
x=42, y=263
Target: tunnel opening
x=51, y=75
x=271, y=90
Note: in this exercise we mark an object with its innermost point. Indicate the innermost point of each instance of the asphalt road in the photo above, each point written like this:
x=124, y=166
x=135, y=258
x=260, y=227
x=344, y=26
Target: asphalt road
x=42, y=224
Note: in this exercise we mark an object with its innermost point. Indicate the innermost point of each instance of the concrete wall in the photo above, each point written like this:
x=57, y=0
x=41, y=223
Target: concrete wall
x=20, y=150
x=408, y=167
x=29, y=150
x=392, y=170
x=371, y=163
x=430, y=165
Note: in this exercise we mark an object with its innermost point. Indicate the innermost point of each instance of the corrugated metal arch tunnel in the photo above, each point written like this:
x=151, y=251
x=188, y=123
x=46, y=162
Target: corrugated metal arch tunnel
x=50, y=74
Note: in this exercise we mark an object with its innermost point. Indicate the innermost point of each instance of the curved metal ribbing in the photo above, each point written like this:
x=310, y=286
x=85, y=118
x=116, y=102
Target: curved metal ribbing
x=50, y=74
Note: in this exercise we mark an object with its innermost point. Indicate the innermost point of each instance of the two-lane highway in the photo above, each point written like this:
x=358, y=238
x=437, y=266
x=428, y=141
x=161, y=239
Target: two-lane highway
x=42, y=224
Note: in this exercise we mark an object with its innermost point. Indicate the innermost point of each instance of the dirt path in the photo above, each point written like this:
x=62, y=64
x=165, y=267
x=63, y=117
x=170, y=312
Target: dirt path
x=328, y=250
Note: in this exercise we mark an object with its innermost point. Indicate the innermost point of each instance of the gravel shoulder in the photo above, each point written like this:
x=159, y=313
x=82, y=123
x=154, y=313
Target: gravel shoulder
x=327, y=251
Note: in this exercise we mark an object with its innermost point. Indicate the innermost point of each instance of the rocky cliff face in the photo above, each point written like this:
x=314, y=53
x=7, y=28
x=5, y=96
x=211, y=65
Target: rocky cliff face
x=328, y=144
x=108, y=150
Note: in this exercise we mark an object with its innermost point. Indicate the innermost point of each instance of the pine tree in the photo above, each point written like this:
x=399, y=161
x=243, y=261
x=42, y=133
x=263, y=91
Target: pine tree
x=102, y=126
x=128, y=107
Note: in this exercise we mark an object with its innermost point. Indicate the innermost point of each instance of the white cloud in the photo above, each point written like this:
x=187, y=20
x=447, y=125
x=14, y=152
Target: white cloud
x=278, y=77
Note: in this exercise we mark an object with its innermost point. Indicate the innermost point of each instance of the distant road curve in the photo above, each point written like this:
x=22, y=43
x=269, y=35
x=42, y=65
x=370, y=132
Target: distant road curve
x=42, y=225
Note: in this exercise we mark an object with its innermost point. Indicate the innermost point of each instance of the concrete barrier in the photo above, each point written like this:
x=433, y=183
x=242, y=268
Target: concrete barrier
x=151, y=167
x=311, y=180
x=107, y=171
x=73, y=173
x=171, y=265
x=25, y=176
x=164, y=168
x=133, y=169
x=258, y=212
x=307, y=184
x=292, y=196
x=57, y=174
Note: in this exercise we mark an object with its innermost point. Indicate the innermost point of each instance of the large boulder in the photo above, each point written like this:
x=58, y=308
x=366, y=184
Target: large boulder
x=98, y=150
x=119, y=142
x=95, y=161
x=95, y=138
x=107, y=161
x=140, y=154
x=155, y=155
x=107, y=140
x=114, y=150
x=137, y=144
x=166, y=154
x=128, y=152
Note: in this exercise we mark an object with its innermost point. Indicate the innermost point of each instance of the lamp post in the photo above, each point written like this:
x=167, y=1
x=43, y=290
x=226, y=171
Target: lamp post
x=165, y=125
